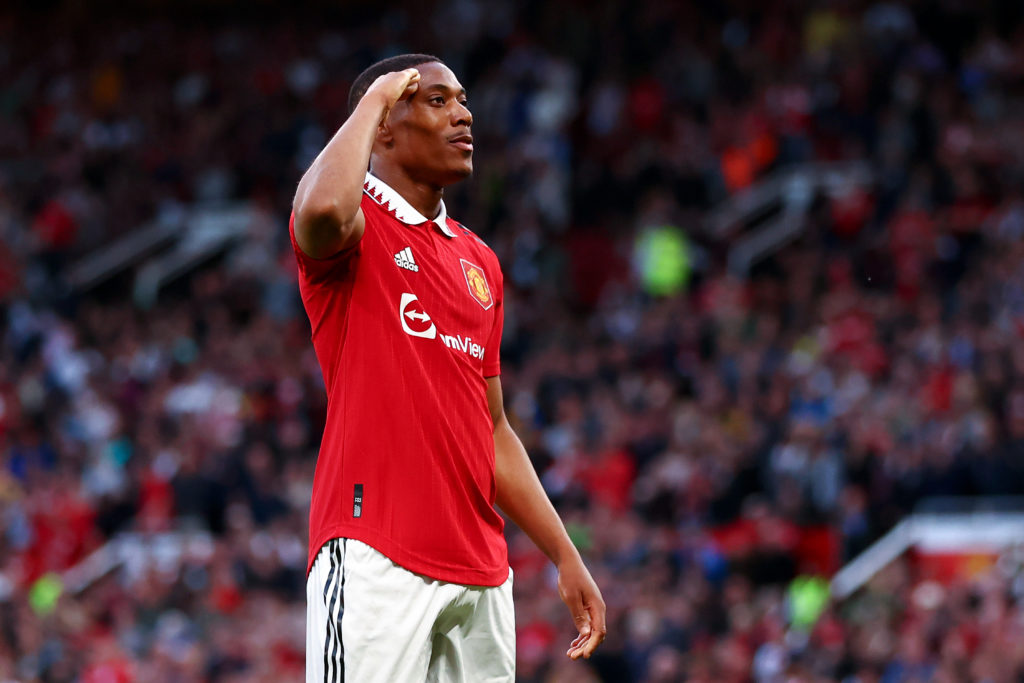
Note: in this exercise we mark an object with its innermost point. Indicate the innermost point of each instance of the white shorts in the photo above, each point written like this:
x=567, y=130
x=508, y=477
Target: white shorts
x=369, y=620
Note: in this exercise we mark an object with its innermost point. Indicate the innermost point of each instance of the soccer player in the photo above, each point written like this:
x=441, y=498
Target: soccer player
x=408, y=576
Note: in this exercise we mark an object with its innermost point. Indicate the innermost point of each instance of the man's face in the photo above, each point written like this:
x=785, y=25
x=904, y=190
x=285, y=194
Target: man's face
x=431, y=129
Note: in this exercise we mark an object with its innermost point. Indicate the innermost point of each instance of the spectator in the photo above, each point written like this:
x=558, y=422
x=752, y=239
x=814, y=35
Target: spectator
x=710, y=439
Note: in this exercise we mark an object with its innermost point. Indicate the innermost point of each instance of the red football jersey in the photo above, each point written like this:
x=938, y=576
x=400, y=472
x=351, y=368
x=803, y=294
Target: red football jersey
x=406, y=327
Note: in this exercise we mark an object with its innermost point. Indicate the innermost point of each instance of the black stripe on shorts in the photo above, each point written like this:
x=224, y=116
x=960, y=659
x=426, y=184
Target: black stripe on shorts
x=334, y=649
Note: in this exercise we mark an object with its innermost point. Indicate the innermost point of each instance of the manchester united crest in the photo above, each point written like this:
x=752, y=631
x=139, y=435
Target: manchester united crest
x=477, y=284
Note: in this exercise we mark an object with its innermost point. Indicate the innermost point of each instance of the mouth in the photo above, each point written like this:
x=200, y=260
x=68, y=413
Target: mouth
x=463, y=142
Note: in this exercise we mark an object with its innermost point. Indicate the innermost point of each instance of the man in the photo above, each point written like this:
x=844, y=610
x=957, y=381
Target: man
x=408, y=570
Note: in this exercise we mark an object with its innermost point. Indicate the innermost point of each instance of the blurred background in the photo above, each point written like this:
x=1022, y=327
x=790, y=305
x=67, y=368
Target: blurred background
x=764, y=315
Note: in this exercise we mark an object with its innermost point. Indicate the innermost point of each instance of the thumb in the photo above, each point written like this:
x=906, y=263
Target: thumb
x=580, y=614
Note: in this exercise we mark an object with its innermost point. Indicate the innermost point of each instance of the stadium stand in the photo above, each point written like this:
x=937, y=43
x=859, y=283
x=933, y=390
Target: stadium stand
x=721, y=440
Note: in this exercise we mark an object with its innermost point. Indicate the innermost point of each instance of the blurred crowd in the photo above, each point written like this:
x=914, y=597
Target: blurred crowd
x=718, y=443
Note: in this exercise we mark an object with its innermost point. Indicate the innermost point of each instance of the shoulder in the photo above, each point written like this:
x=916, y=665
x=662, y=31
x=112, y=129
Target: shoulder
x=474, y=244
x=316, y=271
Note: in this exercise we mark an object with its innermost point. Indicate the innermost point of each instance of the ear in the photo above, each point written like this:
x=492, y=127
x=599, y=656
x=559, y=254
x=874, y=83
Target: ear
x=384, y=135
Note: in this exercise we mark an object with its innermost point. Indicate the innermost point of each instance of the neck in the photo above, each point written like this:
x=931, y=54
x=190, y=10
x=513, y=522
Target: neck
x=424, y=197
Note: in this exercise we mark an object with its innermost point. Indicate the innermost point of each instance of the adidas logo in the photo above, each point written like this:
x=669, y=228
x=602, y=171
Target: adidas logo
x=405, y=260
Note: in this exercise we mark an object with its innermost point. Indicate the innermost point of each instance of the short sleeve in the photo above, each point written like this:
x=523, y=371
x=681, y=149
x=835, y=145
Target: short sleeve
x=492, y=355
x=316, y=270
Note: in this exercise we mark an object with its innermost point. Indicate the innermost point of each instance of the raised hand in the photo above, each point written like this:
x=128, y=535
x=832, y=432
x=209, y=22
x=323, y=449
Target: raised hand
x=394, y=87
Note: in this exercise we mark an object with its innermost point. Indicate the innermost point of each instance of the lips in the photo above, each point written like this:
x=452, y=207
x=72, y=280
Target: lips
x=463, y=142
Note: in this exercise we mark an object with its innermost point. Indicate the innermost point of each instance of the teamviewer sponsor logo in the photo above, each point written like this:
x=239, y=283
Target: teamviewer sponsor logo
x=417, y=323
x=415, y=320
x=464, y=344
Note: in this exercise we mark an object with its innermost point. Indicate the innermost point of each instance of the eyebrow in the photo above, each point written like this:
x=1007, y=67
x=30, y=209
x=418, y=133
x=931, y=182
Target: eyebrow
x=444, y=88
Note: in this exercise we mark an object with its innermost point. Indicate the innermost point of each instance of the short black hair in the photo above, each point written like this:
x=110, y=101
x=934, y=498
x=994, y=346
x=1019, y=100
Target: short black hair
x=397, y=63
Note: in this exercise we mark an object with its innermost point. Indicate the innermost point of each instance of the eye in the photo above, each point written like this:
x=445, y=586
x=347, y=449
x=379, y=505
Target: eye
x=437, y=99
x=464, y=102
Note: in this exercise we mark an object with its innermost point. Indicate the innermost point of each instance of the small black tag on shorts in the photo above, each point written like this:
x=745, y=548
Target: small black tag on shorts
x=357, y=501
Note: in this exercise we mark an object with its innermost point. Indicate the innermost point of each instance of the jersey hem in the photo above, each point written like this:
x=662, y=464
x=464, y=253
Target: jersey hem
x=466, y=576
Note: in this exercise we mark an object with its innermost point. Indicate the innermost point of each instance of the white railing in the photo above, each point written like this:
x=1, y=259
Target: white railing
x=771, y=212
x=933, y=532
x=168, y=247
x=135, y=553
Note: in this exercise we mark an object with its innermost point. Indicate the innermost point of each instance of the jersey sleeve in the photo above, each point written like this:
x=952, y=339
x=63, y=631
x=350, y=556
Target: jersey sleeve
x=492, y=356
x=313, y=269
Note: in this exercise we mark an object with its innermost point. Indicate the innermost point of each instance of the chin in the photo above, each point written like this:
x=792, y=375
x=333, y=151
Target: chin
x=458, y=173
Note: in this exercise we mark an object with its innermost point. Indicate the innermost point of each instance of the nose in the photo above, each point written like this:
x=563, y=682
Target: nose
x=462, y=115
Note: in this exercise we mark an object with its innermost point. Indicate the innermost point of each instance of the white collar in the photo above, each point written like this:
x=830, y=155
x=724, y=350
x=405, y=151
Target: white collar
x=386, y=196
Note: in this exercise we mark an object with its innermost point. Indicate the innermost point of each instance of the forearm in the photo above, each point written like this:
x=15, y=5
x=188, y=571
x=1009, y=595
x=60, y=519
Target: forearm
x=333, y=184
x=520, y=495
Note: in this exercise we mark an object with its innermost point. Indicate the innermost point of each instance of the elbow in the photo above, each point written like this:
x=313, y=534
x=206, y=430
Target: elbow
x=310, y=212
x=500, y=423
x=320, y=228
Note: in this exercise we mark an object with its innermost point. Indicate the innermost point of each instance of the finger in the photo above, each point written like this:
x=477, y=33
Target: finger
x=576, y=646
x=412, y=76
x=597, y=617
x=410, y=82
x=409, y=90
x=579, y=650
x=580, y=615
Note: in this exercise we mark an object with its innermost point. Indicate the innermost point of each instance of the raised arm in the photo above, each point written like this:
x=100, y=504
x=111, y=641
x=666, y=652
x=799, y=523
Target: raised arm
x=520, y=496
x=327, y=214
